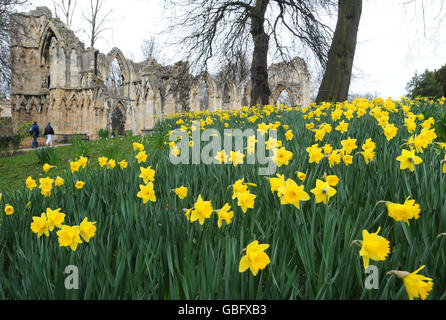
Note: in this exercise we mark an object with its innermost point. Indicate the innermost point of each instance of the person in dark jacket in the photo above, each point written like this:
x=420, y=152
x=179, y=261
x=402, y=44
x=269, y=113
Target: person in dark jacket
x=35, y=132
x=49, y=132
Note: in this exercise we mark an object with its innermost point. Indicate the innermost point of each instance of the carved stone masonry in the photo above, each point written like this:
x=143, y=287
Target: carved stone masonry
x=55, y=79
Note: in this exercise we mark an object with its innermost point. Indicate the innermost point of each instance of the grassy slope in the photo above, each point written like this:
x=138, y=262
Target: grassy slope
x=14, y=170
x=150, y=251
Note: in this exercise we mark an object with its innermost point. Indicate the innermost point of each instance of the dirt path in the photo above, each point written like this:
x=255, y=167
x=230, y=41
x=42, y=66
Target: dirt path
x=55, y=146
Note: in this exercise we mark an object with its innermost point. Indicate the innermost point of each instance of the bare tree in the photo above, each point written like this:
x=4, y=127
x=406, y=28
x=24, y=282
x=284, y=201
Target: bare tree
x=336, y=81
x=66, y=7
x=6, y=25
x=97, y=20
x=149, y=48
x=217, y=26
x=235, y=67
x=437, y=10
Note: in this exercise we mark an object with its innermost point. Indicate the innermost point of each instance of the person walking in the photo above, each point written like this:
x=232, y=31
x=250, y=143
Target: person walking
x=49, y=132
x=35, y=132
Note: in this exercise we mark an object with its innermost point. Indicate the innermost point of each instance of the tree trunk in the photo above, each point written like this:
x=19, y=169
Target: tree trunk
x=338, y=71
x=93, y=34
x=260, y=91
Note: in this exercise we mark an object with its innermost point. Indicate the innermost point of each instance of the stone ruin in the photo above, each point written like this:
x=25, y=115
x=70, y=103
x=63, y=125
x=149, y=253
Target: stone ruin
x=55, y=79
x=5, y=108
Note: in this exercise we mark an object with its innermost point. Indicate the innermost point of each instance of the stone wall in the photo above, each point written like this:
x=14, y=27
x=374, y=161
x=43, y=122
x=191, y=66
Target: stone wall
x=55, y=79
x=5, y=108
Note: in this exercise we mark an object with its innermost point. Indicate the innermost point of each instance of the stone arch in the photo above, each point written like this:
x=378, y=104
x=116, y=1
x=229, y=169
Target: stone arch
x=49, y=40
x=159, y=98
x=228, y=95
x=204, y=95
x=172, y=104
x=117, y=54
x=52, y=105
x=138, y=106
x=23, y=106
x=33, y=28
x=72, y=99
x=28, y=104
x=81, y=116
x=76, y=113
x=33, y=59
x=49, y=32
x=147, y=91
x=138, y=96
x=87, y=101
x=118, y=118
x=280, y=87
x=34, y=105
x=24, y=110
x=293, y=77
x=194, y=97
x=64, y=120
x=64, y=103
x=147, y=106
x=206, y=91
x=80, y=102
x=284, y=99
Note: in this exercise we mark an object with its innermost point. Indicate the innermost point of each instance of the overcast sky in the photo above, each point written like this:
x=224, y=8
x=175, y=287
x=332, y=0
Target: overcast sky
x=394, y=41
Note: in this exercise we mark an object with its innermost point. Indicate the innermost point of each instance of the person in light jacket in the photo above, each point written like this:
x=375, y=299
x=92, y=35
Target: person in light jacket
x=49, y=132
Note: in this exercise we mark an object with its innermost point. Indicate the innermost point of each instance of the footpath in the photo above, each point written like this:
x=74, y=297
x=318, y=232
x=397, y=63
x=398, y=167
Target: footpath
x=55, y=146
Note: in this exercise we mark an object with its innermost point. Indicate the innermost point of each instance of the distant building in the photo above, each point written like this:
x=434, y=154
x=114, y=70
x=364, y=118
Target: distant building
x=55, y=79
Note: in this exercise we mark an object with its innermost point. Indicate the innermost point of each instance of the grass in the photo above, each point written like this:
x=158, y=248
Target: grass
x=151, y=251
x=14, y=170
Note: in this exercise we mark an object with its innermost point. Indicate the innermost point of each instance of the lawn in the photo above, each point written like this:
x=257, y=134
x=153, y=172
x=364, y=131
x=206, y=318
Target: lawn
x=342, y=197
x=15, y=169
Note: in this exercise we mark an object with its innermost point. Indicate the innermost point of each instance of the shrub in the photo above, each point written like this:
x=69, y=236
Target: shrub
x=16, y=140
x=116, y=133
x=4, y=143
x=10, y=140
x=24, y=129
x=103, y=133
x=80, y=147
x=439, y=114
x=440, y=76
x=47, y=155
x=5, y=126
x=424, y=85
